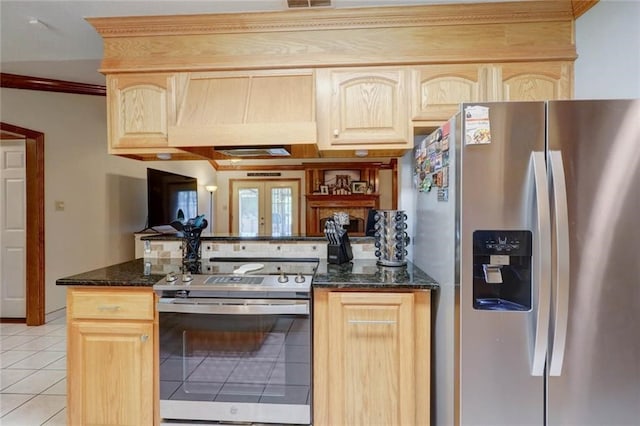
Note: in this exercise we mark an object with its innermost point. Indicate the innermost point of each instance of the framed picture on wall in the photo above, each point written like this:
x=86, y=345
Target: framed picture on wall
x=341, y=180
x=324, y=189
x=359, y=187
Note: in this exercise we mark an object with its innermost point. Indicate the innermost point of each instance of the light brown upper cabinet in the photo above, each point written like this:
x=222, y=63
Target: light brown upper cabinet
x=363, y=108
x=246, y=108
x=140, y=108
x=438, y=90
x=535, y=81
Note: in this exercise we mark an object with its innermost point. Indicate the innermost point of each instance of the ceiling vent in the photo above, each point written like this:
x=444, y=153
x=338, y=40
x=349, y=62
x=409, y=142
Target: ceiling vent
x=295, y=4
x=244, y=151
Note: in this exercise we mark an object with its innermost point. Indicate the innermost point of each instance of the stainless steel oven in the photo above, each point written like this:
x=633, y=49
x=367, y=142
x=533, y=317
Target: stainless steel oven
x=235, y=343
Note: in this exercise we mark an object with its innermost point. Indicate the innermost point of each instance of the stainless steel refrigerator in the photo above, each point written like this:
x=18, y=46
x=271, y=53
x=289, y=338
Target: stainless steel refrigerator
x=528, y=214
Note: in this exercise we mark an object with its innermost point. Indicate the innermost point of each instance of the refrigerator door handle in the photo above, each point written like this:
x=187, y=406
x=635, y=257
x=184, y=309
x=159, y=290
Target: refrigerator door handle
x=543, y=266
x=561, y=273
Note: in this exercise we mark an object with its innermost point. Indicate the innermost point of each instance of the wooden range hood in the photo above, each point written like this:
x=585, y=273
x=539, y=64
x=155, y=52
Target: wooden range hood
x=253, y=109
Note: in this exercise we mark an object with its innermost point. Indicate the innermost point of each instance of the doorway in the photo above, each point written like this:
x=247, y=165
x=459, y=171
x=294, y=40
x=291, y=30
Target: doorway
x=34, y=183
x=265, y=207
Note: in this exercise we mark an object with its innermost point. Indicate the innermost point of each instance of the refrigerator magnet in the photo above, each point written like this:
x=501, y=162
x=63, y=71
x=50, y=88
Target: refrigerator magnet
x=477, y=128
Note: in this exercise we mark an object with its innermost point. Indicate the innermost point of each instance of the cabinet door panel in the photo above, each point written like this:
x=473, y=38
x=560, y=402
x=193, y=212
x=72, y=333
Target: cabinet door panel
x=374, y=358
x=141, y=108
x=363, y=108
x=111, y=380
x=536, y=81
x=439, y=90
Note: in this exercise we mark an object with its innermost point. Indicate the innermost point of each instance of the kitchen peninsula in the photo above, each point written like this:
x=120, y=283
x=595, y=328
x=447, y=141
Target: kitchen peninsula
x=113, y=326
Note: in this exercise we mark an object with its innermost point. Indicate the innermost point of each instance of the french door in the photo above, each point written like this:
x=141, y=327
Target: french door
x=265, y=207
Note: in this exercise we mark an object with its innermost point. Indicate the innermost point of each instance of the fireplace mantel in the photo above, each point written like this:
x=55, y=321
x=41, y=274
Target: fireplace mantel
x=323, y=206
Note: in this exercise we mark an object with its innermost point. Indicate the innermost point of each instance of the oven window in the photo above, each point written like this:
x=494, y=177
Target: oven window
x=235, y=358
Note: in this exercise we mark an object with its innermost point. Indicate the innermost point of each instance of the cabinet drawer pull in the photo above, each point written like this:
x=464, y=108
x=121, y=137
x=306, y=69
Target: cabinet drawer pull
x=111, y=308
x=383, y=322
x=144, y=338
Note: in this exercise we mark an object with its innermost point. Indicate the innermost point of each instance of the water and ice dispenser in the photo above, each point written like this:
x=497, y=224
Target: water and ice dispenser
x=502, y=270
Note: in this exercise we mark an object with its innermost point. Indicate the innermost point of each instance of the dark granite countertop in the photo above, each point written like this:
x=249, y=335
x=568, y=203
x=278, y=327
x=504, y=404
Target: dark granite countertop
x=127, y=274
x=358, y=274
x=367, y=274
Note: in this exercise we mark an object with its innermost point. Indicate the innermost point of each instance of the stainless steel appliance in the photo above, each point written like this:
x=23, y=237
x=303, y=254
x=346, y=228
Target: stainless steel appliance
x=235, y=342
x=534, y=241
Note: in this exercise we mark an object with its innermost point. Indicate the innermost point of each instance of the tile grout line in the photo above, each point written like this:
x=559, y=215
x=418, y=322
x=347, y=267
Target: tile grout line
x=25, y=331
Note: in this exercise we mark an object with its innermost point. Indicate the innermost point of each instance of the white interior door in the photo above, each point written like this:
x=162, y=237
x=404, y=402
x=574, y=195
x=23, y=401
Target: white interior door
x=265, y=207
x=13, y=229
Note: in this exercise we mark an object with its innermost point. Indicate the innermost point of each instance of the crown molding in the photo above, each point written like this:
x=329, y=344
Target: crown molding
x=334, y=19
x=15, y=81
x=580, y=7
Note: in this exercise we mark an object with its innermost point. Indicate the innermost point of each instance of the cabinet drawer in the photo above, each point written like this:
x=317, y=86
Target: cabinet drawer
x=110, y=304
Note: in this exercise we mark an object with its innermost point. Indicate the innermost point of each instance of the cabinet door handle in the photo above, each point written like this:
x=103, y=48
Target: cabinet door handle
x=336, y=133
x=112, y=308
x=382, y=322
x=144, y=338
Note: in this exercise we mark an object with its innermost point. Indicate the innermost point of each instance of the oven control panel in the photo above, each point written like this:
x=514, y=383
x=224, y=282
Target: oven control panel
x=234, y=279
x=277, y=282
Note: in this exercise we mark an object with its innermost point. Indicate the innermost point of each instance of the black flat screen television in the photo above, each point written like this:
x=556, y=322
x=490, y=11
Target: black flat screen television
x=170, y=197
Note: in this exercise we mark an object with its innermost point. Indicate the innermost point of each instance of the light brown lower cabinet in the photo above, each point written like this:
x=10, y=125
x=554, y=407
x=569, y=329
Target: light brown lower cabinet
x=111, y=352
x=371, y=358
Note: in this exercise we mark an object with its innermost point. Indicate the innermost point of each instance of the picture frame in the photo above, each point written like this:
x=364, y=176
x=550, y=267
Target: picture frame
x=359, y=187
x=324, y=189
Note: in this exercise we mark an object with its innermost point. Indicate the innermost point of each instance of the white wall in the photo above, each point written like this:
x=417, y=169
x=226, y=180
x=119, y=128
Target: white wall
x=608, y=45
x=104, y=195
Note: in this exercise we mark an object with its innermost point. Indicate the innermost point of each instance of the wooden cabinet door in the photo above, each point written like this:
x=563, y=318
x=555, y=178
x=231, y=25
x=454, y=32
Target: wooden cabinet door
x=366, y=108
x=539, y=81
x=140, y=109
x=110, y=374
x=438, y=90
x=372, y=358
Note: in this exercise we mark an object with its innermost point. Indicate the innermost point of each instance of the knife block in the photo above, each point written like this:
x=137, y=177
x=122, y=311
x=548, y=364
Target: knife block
x=338, y=254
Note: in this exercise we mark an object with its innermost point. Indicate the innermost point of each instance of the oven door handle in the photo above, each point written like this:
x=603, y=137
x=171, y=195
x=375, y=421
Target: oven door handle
x=234, y=306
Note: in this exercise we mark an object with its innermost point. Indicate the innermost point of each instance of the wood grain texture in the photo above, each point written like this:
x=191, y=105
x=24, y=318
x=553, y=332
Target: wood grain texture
x=422, y=343
x=140, y=108
x=491, y=32
x=477, y=48
x=371, y=362
x=581, y=6
x=336, y=19
x=111, y=304
x=246, y=108
x=112, y=357
x=365, y=107
x=110, y=373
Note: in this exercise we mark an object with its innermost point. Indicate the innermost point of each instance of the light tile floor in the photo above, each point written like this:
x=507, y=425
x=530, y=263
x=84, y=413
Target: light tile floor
x=33, y=373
